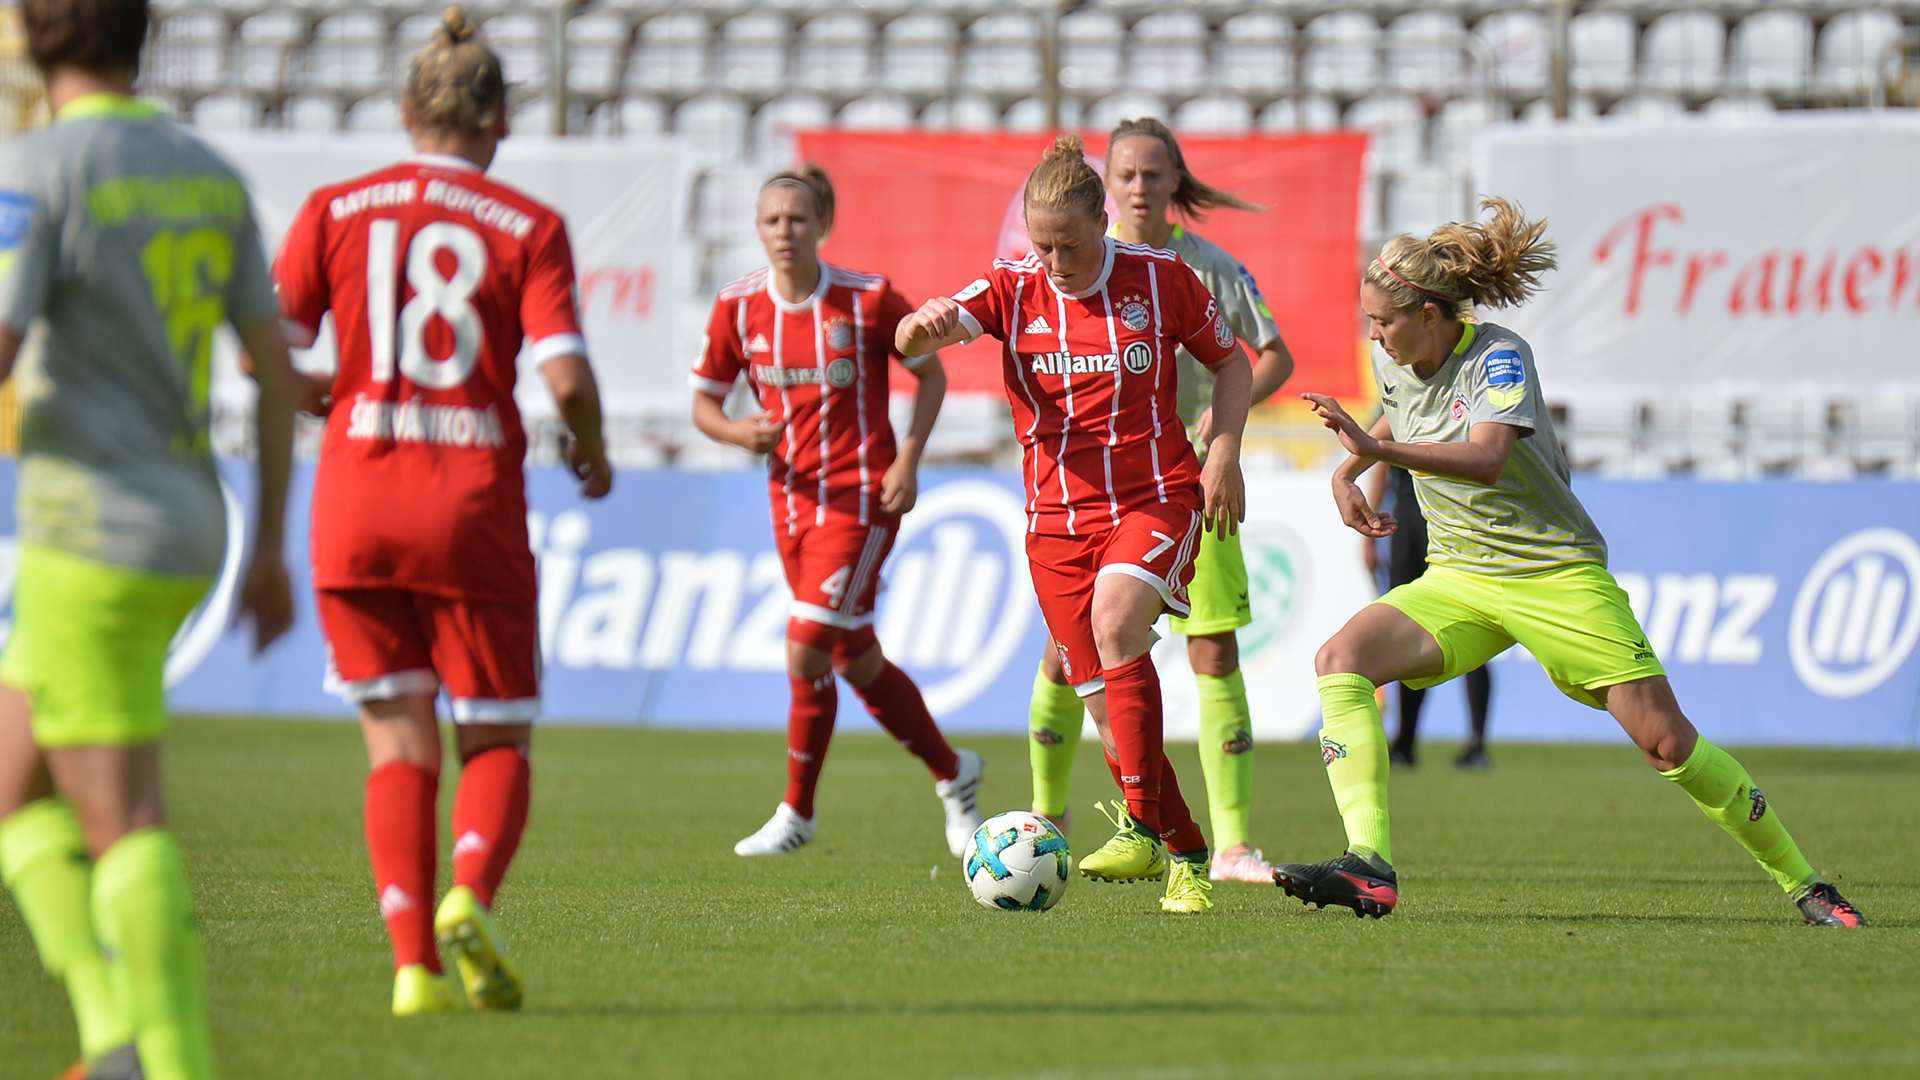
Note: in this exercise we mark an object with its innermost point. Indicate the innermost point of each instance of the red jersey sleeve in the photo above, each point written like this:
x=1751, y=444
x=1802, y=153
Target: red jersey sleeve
x=300, y=276
x=1198, y=321
x=549, y=314
x=893, y=309
x=721, y=360
x=983, y=305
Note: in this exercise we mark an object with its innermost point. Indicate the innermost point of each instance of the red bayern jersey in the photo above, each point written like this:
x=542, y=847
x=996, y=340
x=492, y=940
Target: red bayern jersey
x=1093, y=381
x=436, y=277
x=820, y=365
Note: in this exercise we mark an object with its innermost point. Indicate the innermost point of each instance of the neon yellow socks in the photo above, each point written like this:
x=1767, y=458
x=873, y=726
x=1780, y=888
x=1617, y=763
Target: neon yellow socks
x=1354, y=747
x=1054, y=719
x=145, y=917
x=43, y=858
x=1226, y=755
x=1724, y=792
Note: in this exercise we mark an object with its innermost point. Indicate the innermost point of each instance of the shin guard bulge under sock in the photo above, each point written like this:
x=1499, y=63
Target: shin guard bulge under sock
x=403, y=846
x=1226, y=754
x=895, y=703
x=44, y=861
x=1354, y=747
x=809, y=729
x=1724, y=792
x=1055, y=718
x=144, y=914
x=1134, y=717
x=489, y=814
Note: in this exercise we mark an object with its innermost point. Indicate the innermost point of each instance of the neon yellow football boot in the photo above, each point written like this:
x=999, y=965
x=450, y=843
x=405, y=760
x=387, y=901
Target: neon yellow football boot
x=466, y=932
x=417, y=990
x=1189, y=892
x=1131, y=855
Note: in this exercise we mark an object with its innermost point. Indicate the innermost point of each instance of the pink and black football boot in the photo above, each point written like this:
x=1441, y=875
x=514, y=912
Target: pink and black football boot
x=1348, y=881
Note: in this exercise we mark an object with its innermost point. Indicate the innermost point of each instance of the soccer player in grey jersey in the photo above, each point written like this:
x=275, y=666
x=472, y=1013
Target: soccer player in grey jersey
x=124, y=244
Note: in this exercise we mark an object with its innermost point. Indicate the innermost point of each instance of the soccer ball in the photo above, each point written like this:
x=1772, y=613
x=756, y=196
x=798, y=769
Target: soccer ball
x=1018, y=861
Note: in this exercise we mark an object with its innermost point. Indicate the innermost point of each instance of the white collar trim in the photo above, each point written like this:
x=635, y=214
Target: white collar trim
x=1106, y=271
x=819, y=291
x=445, y=161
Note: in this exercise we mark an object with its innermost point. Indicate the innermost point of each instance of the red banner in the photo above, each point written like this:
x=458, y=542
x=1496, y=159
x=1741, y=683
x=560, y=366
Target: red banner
x=932, y=211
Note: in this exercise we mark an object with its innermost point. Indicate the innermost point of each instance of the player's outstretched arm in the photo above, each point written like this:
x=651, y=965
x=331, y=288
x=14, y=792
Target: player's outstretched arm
x=900, y=487
x=932, y=328
x=578, y=395
x=1221, y=483
x=267, y=596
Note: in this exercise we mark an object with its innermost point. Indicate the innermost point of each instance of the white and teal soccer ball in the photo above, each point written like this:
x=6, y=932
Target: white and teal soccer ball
x=1018, y=861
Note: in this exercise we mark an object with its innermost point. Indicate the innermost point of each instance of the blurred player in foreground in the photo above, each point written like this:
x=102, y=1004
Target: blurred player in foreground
x=1512, y=556
x=813, y=341
x=435, y=276
x=1147, y=176
x=1116, y=499
x=130, y=242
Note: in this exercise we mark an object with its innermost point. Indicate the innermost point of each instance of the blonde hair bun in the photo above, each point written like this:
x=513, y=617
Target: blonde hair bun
x=1497, y=263
x=1064, y=181
x=455, y=83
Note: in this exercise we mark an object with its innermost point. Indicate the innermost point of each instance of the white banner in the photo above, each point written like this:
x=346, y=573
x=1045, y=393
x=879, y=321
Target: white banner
x=1772, y=257
x=622, y=200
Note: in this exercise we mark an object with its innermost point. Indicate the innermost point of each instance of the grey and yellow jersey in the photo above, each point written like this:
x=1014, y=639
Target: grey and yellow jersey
x=124, y=244
x=1527, y=522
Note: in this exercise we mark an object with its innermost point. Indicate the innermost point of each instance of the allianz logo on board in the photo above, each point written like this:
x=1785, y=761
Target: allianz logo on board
x=955, y=607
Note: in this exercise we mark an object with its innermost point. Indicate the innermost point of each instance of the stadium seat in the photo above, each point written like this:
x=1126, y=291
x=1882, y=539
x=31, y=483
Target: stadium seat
x=1580, y=109
x=1343, y=54
x=1253, y=55
x=1648, y=108
x=876, y=112
x=1857, y=52
x=1312, y=112
x=1426, y=53
x=1030, y=114
x=1739, y=107
x=753, y=54
x=1002, y=56
x=267, y=43
x=597, y=44
x=1167, y=54
x=1886, y=433
x=1214, y=114
x=379, y=114
x=409, y=38
x=520, y=41
x=1771, y=54
x=968, y=112
x=715, y=127
x=310, y=112
x=348, y=55
x=725, y=203
x=228, y=111
x=189, y=54
x=1459, y=123
x=1522, y=51
x=835, y=55
x=1604, y=52
x=917, y=54
x=629, y=116
x=1684, y=52
x=1090, y=43
x=1396, y=122
x=1423, y=198
x=775, y=123
x=1126, y=105
x=534, y=116
x=672, y=56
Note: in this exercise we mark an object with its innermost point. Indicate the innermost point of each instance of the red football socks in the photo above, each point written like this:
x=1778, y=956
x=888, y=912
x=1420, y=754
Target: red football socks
x=489, y=813
x=1134, y=717
x=401, y=842
x=1176, y=821
x=894, y=701
x=809, y=730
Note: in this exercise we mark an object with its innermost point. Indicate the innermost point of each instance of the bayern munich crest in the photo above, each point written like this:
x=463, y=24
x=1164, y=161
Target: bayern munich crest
x=840, y=373
x=1133, y=315
x=839, y=335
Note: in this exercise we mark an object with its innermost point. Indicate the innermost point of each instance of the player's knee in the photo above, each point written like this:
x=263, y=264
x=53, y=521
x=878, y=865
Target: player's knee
x=1118, y=642
x=804, y=662
x=1339, y=656
x=1215, y=655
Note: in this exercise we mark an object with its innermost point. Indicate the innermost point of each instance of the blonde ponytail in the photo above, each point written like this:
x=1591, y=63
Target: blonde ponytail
x=1460, y=265
x=455, y=82
x=1064, y=181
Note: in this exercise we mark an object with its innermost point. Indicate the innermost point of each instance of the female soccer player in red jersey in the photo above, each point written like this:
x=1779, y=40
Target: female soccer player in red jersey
x=436, y=276
x=1116, y=499
x=813, y=341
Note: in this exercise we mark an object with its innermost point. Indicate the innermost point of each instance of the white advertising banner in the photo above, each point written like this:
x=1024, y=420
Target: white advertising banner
x=1776, y=256
x=622, y=201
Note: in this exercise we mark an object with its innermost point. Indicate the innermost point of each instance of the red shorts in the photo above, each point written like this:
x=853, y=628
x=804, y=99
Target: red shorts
x=383, y=643
x=833, y=569
x=1154, y=543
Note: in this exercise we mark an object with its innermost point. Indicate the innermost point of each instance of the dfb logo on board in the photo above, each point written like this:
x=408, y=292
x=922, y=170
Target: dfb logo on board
x=1857, y=618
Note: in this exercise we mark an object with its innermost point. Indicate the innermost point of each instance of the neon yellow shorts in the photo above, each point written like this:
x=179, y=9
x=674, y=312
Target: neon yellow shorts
x=89, y=646
x=1218, y=592
x=1574, y=620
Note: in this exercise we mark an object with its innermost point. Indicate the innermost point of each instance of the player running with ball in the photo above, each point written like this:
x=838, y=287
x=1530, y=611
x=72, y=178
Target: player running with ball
x=1512, y=556
x=813, y=341
x=436, y=276
x=1115, y=496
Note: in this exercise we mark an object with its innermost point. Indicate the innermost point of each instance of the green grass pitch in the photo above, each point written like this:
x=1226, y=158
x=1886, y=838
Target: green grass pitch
x=1567, y=914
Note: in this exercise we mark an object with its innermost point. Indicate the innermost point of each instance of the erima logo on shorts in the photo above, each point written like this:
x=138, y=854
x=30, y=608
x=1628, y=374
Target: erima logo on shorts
x=1506, y=378
x=1331, y=751
x=1759, y=802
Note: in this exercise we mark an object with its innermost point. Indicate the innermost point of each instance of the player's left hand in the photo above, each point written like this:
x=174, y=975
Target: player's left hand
x=596, y=475
x=899, y=487
x=267, y=598
x=1353, y=437
x=1226, y=493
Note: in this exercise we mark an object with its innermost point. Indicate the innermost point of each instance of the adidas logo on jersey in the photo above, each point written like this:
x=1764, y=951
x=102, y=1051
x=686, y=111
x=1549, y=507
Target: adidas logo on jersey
x=1038, y=326
x=759, y=344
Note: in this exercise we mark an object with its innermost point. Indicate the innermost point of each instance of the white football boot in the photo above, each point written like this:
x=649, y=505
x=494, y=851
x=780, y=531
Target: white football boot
x=959, y=796
x=784, y=831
